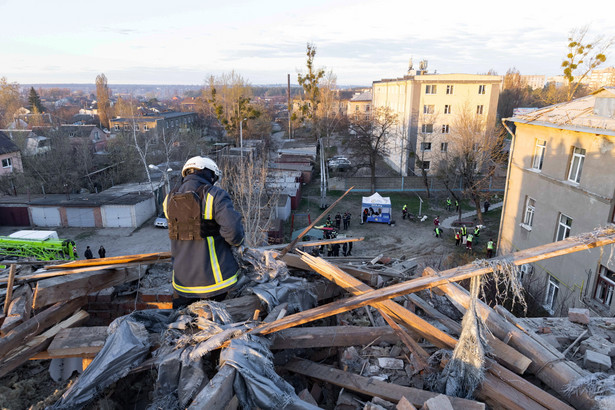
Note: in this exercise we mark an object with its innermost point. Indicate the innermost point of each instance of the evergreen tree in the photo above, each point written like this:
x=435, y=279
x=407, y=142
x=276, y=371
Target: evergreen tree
x=34, y=101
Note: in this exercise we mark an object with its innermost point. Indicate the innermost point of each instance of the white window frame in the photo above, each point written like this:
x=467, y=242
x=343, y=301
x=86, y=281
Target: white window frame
x=482, y=88
x=444, y=147
x=576, y=164
x=425, y=146
x=530, y=211
x=551, y=295
x=447, y=109
x=116, y=127
x=7, y=163
x=563, y=229
x=479, y=109
x=539, y=154
x=445, y=129
x=429, y=109
x=144, y=127
x=430, y=89
x=604, y=282
x=425, y=128
x=450, y=89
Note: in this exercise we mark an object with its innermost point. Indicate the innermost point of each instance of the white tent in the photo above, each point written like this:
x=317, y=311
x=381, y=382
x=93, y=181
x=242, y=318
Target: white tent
x=379, y=208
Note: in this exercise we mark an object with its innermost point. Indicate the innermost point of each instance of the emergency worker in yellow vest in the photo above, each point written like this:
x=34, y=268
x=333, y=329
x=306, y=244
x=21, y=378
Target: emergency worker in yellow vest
x=203, y=228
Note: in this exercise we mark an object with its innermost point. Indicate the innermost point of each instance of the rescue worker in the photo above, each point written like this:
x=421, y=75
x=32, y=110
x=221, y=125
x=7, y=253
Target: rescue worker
x=365, y=215
x=477, y=231
x=338, y=221
x=404, y=211
x=448, y=203
x=490, y=246
x=438, y=231
x=464, y=231
x=203, y=228
x=457, y=238
x=456, y=205
x=469, y=242
x=436, y=221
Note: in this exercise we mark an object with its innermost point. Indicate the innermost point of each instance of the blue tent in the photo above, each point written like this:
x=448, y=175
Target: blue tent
x=378, y=208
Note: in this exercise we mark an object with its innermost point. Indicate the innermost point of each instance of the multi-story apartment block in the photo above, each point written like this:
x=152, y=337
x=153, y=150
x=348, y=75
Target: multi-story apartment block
x=426, y=106
x=169, y=121
x=561, y=182
x=359, y=106
x=601, y=78
x=534, y=81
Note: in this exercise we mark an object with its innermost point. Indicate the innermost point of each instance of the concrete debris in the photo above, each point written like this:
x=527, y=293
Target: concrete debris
x=577, y=315
x=596, y=362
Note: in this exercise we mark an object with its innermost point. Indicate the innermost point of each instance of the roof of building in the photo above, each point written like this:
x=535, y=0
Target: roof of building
x=365, y=96
x=576, y=115
x=160, y=116
x=6, y=145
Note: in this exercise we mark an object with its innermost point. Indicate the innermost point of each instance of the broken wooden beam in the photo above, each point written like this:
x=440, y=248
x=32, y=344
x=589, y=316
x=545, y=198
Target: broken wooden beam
x=311, y=244
x=38, y=343
x=39, y=323
x=9, y=289
x=331, y=336
x=53, y=290
x=551, y=368
x=370, y=386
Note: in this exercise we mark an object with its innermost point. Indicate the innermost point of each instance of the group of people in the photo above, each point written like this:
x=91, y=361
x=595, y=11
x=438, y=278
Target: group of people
x=449, y=204
x=102, y=252
x=462, y=236
x=339, y=219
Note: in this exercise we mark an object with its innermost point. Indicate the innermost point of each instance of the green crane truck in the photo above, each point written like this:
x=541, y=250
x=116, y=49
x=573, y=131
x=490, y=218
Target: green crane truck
x=42, y=245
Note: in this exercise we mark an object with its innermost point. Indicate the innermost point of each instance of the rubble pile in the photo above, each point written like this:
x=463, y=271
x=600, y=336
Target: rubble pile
x=301, y=332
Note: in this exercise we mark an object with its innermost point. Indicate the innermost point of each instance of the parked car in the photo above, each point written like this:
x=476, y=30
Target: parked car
x=161, y=222
x=339, y=163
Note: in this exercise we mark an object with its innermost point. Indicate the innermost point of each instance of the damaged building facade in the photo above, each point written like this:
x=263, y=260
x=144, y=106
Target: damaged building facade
x=561, y=183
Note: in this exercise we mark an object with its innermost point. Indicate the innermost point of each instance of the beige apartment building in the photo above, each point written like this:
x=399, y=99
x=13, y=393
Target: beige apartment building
x=426, y=105
x=561, y=182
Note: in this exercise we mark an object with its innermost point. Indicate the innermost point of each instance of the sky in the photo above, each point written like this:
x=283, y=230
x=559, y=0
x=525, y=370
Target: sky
x=185, y=42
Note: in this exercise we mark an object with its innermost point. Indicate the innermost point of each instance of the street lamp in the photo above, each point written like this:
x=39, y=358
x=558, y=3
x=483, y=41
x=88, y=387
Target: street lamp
x=165, y=174
x=241, y=137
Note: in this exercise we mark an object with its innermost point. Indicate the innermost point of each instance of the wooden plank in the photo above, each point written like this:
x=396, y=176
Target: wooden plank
x=309, y=244
x=217, y=393
x=113, y=260
x=550, y=367
x=371, y=387
x=53, y=290
x=331, y=336
x=19, y=309
x=78, y=342
x=38, y=324
x=38, y=343
x=9, y=288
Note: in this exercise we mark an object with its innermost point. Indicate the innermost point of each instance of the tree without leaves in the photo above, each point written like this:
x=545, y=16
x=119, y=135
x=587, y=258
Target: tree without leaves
x=372, y=137
x=583, y=56
x=103, y=100
x=474, y=153
x=309, y=82
x=515, y=93
x=9, y=101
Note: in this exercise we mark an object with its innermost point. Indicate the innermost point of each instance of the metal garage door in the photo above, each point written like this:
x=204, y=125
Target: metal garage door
x=46, y=216
x=14, y=216
x=117, y=216
x=81, y=217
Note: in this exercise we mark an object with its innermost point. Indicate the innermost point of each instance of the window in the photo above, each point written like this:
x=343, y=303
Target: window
x=137, y=127
x=96, y=136
x=116, y=127
x=428, y=109
x=445, y=129
x=7, y=163
x=479, y=109
x=524, y=271
x=551, y=296
x=427, y=128
x=356, y=108
x=126, y=126
x=447, y=109
x=539, y=153
x=444, y=146
x=605, y=286
x=528, y=217
x=424, y=165
x=425, y=146
x=144, y=127
x=576, y=164
x=430, y=89
x=563, y=228
x=481, y=89
x=449, y=89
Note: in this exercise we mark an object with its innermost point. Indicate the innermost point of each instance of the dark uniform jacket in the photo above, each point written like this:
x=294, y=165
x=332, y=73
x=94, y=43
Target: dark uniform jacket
x=207, y=267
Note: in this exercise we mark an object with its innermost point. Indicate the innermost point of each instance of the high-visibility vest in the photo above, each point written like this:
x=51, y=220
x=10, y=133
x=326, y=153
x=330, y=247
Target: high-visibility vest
x=470, y=237
x=490, y=245
x=464, y=230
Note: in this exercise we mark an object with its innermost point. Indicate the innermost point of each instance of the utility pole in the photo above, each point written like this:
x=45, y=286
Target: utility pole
x=290, y=109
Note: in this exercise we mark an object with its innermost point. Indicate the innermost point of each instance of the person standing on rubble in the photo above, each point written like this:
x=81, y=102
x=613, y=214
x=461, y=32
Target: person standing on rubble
x=203, y=228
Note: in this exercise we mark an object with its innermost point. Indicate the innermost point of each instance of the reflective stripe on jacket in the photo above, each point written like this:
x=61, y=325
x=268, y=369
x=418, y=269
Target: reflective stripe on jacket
x=205, y=268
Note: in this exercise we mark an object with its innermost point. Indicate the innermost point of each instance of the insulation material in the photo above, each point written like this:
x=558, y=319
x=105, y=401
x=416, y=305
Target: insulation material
x=257, y=385
x=465, y=371
x=601, y=386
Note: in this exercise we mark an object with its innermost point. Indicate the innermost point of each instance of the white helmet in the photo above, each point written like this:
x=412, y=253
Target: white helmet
x=202, y=163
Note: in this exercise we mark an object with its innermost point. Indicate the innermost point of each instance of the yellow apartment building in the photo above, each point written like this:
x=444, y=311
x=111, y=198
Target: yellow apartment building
x=426, y=105
x=561, y=182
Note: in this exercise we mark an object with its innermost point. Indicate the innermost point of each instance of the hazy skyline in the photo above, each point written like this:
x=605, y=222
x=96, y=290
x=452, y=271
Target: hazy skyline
x=159, y=42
